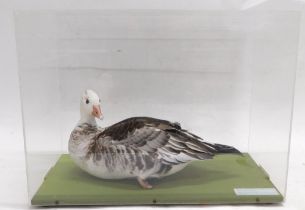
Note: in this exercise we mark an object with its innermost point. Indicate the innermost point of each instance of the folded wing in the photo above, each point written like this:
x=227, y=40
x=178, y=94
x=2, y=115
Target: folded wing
x=162, y=139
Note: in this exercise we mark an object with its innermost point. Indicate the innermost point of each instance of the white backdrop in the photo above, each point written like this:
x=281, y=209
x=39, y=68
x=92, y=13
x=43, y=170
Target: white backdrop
x=12, y=164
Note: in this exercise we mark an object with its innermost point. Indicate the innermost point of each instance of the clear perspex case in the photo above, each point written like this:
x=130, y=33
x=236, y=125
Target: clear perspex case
x=224, y=75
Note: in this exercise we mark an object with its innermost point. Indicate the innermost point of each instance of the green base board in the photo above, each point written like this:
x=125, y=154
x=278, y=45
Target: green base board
x=202, y=182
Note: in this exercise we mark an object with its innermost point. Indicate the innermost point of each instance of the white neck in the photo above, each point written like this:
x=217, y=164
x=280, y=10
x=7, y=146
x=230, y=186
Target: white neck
x=87, y=119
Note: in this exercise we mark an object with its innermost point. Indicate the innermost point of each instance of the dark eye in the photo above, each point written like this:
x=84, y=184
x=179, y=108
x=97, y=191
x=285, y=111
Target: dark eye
x=99, y=100
x=87, y=101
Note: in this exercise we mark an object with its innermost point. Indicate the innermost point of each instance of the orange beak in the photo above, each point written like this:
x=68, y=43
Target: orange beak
x=96, y=112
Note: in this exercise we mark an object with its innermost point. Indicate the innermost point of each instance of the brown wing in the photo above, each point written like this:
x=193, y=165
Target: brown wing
x=162, y=139
x=120, y=130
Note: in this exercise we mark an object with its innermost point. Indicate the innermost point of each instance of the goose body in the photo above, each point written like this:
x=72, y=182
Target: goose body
x=138, y=147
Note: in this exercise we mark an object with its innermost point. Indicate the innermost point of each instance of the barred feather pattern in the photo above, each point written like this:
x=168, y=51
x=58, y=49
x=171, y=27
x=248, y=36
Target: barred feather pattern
x=138, y=147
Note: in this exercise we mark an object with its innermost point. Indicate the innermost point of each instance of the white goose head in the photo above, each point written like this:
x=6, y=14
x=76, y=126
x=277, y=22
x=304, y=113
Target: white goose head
x=90, y=107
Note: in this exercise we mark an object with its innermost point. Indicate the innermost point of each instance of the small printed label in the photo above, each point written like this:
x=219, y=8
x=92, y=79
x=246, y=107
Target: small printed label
x=255, y=191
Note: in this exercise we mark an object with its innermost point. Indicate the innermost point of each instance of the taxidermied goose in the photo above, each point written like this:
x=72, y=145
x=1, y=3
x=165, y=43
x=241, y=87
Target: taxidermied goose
x=137, y=147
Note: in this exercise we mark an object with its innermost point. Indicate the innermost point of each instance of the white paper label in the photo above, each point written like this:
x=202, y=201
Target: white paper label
x=255, y=191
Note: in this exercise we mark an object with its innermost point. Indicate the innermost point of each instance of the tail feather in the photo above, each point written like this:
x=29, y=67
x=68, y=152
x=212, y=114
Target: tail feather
x=220, y=148
x=190, y=143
